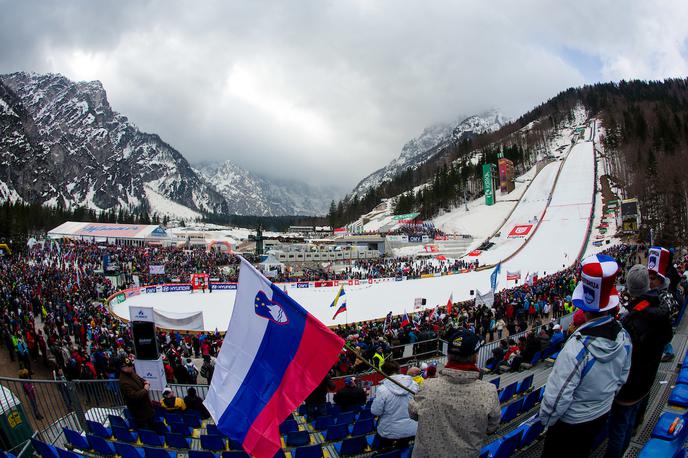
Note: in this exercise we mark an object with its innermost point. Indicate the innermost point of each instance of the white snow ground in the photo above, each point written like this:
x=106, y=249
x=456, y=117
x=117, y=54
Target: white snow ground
x=556, y=244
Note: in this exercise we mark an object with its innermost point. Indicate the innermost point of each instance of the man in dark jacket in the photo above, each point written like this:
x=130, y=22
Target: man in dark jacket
x=135, y=392
x=194, y=402
x=316, y=401
x=350, y=396
x=649, y=326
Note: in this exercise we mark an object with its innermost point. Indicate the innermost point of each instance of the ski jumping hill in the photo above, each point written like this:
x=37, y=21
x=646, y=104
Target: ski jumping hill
x=555, y=242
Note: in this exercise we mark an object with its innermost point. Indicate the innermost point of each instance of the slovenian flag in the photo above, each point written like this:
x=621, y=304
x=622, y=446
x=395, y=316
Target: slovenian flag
x=274, y=355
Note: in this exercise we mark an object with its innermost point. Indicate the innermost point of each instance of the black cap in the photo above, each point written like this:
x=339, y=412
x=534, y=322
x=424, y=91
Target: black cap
x=464, y=343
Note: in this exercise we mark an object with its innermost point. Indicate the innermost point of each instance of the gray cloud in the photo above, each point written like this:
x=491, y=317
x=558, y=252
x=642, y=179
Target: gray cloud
x=327, y=91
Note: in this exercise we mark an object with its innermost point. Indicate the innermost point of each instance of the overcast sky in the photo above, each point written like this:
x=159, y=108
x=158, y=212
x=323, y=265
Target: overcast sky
x=329, y=91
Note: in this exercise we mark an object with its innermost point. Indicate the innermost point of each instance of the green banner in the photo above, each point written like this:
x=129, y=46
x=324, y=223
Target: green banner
x=406, y=216
x=488, y=184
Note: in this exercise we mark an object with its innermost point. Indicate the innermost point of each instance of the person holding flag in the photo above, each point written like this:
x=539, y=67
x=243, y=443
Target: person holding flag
x=274, y=355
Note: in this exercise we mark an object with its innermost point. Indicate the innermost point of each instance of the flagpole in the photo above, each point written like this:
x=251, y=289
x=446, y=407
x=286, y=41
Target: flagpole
x=372, y=366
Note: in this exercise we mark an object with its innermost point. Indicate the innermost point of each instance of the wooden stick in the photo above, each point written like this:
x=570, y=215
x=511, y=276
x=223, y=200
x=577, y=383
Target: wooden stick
x=372, y=366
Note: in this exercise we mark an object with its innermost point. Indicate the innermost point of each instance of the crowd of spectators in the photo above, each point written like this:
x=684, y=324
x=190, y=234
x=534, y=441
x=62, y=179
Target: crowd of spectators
x=51, y=310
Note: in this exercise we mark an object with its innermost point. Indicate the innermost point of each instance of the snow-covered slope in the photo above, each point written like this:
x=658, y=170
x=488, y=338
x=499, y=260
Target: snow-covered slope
x=250, y=194
x=432, y=141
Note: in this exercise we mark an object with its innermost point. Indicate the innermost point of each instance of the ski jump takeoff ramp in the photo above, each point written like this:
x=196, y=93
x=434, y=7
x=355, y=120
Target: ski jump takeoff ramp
x=555, y=244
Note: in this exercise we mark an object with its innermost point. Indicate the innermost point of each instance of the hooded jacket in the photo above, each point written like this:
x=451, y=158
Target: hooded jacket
x=455, y=412
x=588, y=373
x=391, y=405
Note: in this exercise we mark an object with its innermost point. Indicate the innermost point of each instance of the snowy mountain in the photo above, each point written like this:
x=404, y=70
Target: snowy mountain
x=432, y=141
x=62, y=144
x=249, y=193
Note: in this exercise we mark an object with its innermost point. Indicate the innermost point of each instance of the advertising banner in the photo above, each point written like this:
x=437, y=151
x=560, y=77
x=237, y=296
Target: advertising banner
x=153, y=372
x=223, y=286
x=488, y=184
x=520, y=231
x=415, y=239
x=175, y=288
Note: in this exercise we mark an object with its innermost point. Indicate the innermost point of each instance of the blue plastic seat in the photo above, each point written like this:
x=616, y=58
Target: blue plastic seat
x=310, y=451
x=128, y=451
x=504, y=447
x=683, y=376
x=43, y=449
x=211, y=429
x=124, y=435
x=159, y=453
x=76, y=440
x=660, y=448
x=118, y=421
x=322, y=423
x=174, y=418
x=531, y=432
x=679, y=396
x=525, y=384
x=98, y=429
x=365, y=414
x=151, y=438
x=101, y=446
x=288, y=426
x=213, y=442
x=495, y=382
x=511, y=411
x=236, y=454
x=542, y=393
x=530, y=400
x=298, y=439
x=333, y=410
x=186, y=431
x=351, y=446
x=201, y=454
x=508, y=392
x=192, y=419
x=362, y=427
x=345, y=418
x=235, y=445
x=174, y=440
x=336, y=432
x=62, y=453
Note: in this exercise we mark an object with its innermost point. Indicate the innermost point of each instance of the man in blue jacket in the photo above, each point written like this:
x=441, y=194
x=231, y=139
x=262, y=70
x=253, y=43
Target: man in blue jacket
x=590, y=369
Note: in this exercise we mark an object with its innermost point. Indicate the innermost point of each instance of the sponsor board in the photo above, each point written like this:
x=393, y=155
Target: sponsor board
x=415, y=239
x=223, y=286
x=521, y=230
x=304, y=284
x=151, y=289
x=175, y=288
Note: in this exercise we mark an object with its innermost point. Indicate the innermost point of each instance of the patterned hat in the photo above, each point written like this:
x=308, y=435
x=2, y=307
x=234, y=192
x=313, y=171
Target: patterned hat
x=596, y=292
x=658, y=260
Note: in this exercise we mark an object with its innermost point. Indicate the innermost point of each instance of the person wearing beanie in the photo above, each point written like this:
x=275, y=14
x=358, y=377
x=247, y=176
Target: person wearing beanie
x=649, y=326
x=457, y=410
x=350, y=395
x=135, y=392
x=591, y=367
x=170, y=402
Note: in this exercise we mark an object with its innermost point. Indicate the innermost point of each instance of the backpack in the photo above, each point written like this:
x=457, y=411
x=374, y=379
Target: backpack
x=193, y=373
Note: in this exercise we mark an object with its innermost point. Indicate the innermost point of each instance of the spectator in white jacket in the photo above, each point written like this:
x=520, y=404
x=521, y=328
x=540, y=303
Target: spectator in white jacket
x=590, y=369
x=394, y=429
